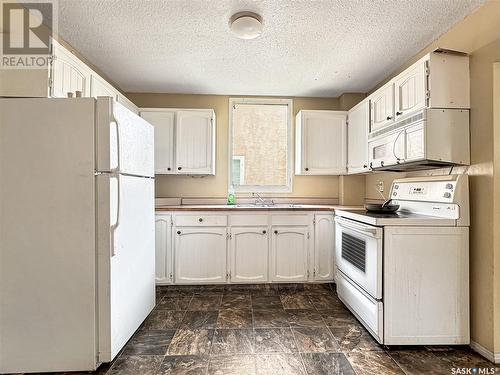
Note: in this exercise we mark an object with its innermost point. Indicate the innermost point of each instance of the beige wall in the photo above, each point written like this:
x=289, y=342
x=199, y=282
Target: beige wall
x=216, y=186
x=478, y=35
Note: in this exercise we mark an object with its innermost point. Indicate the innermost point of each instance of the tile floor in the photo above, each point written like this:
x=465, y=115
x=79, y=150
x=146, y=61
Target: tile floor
x=269, y=329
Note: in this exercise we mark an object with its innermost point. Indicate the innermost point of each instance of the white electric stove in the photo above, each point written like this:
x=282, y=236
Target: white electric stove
x=406, y=275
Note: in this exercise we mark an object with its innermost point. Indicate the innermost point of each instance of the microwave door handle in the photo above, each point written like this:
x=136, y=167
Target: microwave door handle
x=394, y=145
x=357, y=228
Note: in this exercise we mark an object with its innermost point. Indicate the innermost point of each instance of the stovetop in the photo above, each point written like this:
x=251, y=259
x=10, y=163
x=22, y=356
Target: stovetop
x=399, y=218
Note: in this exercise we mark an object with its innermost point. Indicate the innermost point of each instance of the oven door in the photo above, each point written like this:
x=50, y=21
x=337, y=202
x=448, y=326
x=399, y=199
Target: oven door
x=358, y=254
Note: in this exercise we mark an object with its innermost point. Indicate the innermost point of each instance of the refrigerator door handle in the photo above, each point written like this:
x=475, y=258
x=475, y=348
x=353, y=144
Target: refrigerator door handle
x=117, y=222
x=117, y=130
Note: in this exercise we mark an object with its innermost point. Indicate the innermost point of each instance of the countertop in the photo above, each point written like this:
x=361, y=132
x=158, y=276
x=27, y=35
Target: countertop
x=249, y=207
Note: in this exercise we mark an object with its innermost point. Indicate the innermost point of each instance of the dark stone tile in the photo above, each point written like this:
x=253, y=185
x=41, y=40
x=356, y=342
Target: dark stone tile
x=173, y=303
x=296, y=301
x=414, y=362
x=339, y=318
x=290, y=288
x=232, y=365
x=151, y=342
x=305, y=318
x=232, y=341
x=279, y=364
x=274, y=340
x=208, y=290
x=234, y=318
x=318, y=289
x=239, y=289
x=463, y=357
x=264, y=290
x=354, y=338
x=369, y=363
x=191, y=342
x=329, y=364
x=236, y=301
x=163, y=319
x=266, y=302
x=205, y=303
x=313, y=339
x=184, y=365
x=271, y=318
x=199, y=319
x=178, y=293
x=136, y=364
x=326, y=302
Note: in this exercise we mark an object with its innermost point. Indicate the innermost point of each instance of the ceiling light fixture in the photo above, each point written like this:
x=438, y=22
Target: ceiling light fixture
x=246, y=25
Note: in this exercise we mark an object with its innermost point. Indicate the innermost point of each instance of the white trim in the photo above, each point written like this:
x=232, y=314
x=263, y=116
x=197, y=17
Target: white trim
x=490, y=356
x=241, y=159
x=290, y=151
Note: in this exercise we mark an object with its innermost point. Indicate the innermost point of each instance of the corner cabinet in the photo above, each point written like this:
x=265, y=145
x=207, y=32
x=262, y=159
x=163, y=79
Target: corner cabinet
x=358, y=122
x=244, y=247
x=184, y=140
x=321, y=138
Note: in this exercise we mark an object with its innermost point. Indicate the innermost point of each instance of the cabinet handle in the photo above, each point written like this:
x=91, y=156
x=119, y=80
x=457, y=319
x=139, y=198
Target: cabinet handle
x=399, y=113
x=200, y=219
x=178, y=232
x=264, y=232
x=179, y=168
x=371, y=165
x=388, y=118
x=275, y=232
x=306, y=169
x=168, y=169
x=381, y=163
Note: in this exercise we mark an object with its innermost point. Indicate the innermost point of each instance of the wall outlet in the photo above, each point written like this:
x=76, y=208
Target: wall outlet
x=380, y=186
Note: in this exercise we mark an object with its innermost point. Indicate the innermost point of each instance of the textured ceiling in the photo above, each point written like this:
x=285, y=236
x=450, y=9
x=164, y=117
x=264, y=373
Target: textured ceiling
x=308, y=48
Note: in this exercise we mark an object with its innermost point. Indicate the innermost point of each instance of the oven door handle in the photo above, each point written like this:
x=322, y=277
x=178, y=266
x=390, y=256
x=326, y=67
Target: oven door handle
x=363, y=229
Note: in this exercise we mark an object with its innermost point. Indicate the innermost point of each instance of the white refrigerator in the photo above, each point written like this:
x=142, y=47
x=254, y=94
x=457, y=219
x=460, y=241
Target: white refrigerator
x=76, y=232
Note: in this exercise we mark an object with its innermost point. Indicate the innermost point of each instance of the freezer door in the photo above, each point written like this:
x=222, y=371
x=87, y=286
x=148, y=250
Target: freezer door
x=124, y=141
x=126, y=258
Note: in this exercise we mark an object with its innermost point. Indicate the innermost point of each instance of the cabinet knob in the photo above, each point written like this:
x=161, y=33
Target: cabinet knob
x=264, y=232
x=365, y=166
x=371, y=165
x=179, y=168
x=382, y=163
x=275, y=232
x=388, y=118
x=399, y=113
x=168, y=169
x=200, y=219
x=178, y=232
x=306, y=169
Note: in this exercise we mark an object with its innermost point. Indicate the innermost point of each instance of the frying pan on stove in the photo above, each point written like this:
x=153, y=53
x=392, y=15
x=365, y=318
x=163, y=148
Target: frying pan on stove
x=382, y=207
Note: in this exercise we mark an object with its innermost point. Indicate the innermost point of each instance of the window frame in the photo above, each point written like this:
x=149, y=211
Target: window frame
x=241, y=159
x=290, y=149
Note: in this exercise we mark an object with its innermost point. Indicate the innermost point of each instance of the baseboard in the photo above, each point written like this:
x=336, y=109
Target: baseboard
x=490, y=356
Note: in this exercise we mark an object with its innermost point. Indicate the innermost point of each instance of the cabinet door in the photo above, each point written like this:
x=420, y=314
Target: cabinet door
x=99, y=87
x=163, y=122
x=69, y=74
x=382, y=108
x=415, y=143
x=194, y=146
x=323, y=143
x=387, y=150
x=249, y=254
x=357, y=138
x=410, y=90
x=289, y=253
x=163, y=246
x=200, y=255
x=324, y=248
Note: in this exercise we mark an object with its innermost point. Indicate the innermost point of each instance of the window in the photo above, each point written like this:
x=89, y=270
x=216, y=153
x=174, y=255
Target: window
x=260, y=145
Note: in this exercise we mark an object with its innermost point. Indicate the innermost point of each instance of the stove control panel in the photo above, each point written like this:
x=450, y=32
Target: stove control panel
x=441, y=191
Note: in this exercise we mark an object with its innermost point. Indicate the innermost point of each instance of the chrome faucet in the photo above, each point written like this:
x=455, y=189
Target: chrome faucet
x=260, y=201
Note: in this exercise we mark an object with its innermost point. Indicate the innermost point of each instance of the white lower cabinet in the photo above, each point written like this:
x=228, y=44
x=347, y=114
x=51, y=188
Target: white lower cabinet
x=289, y=253
x=163, y=246
x=200, y=255
x=324, y=247
x=210, y=248
x=249, y=255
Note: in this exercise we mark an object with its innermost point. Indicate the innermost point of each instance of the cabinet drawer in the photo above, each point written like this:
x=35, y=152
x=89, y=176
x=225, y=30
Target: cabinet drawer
x=290, y=220
x=200, y=220
x=248, y=220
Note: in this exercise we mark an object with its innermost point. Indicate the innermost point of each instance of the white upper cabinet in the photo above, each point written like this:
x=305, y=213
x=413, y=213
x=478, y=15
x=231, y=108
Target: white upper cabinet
x=195, y=142
x=164, y=123
x=249, y=254
x=324, y=247
x=321, y=138
x=357, y=138
x=410, y=90
x=99, y=87
x=382, y=107
x=184, y=140
x=69, y=74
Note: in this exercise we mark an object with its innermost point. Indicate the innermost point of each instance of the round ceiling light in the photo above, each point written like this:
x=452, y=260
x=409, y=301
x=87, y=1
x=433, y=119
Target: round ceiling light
x=246, y=25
